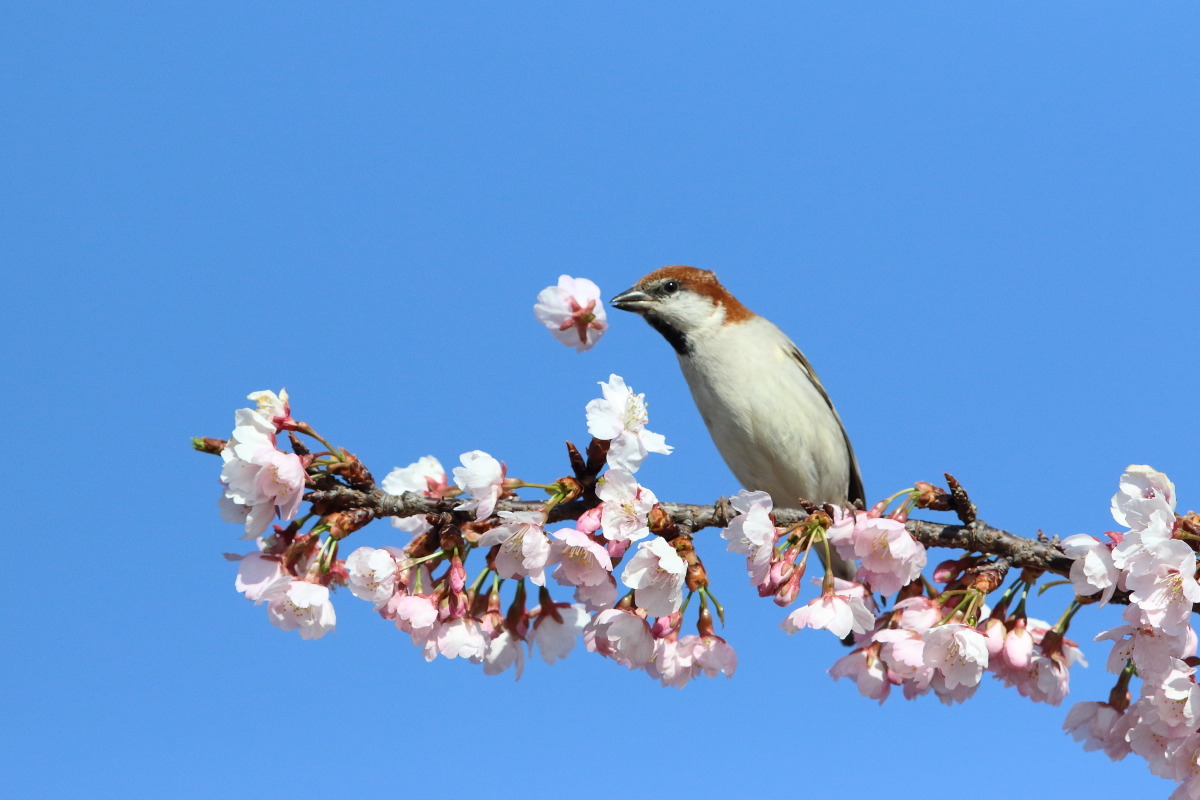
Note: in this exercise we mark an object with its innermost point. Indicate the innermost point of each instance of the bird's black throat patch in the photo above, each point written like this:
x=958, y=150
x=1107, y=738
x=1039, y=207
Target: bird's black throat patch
x=675, y=337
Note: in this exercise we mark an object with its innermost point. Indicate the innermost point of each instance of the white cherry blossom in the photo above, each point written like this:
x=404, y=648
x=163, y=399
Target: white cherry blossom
x=424, y=476
x=302, y=606
x=524, y=549
x=481, y=477
x=620, y=416
x=656, y=573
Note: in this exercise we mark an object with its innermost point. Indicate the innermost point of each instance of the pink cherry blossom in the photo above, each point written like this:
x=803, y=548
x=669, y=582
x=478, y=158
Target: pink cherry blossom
x=555, y=638
x=573, y=311
x=891, y=557
x=673, y=663
x=904, y=653
x=620, y=417
x=414, y=613
x=713, y=655
x=424, y=476
x=622, y=636
x=841, y=532
x=1092, y=570
x=626, y=505
x=917, y=613
x=301, y=606
x=837, y=613
x=1145, y=740
x=257, y=574
x=656, y=573
x=581, y=561
x=1096, y=725
x=1150, y=649
x=481, y=477
x=958, y=652
x=524, y=549
x=866, y=669
x=1165, y=589
x=599, y=597
x=1176, y=701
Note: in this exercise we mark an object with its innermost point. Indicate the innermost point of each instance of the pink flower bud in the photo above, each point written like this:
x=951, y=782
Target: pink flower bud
x=946, y=571
x=789, y=591
x=617, y=547
x=457, y=574
x=667, y=627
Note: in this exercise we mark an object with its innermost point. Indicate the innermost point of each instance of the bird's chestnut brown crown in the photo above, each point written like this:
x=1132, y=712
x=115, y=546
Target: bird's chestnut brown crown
x=682, y=302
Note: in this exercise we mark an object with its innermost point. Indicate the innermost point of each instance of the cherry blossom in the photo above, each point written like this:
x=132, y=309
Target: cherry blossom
x=503, y=650
x=620, y=417
x=274, y=409
x=260, y=481
x=372, y=575
x=958, y=652
x=581, y=561
x=1092, y=570
x=1151, y=650
x=1097, y=726
x=626, y=505
x=655, y=573
x=752, y=533
x=524, y=549
x=414, y=613
x=424, y=476
x=573, y=311
x=599, y=597
x=555, y=638
x=673, y=663
x=904, y=653
x=256, y=576
x=837, y=613
x=1165, y=590
x=1144, y=496
x=867, y=670
x=301, y=606
x=622, y=636
x=461, y=637
x=891, y=557
x=481, y=477
x=712, y=655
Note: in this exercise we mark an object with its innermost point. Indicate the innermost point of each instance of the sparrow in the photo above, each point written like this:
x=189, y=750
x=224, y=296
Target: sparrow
x=763, y=404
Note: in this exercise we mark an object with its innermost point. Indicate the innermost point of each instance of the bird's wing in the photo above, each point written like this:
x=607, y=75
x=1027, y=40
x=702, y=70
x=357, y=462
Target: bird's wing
x=854, y=492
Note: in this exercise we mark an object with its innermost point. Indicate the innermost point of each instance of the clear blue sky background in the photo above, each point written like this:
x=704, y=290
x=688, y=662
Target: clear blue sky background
x=980, y=223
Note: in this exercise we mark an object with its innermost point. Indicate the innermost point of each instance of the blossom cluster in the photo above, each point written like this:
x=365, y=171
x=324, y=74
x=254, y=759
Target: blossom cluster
x=928, y=641
x=424, y=587
x=1152, y=561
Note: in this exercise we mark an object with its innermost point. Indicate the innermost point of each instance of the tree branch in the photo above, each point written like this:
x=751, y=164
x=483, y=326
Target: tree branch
x=978, y=536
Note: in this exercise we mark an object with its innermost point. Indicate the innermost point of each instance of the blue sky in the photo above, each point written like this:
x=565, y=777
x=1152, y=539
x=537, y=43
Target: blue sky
x=978, y=222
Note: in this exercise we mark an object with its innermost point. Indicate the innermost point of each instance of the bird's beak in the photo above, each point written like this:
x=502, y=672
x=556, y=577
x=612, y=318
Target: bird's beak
x=634, y=300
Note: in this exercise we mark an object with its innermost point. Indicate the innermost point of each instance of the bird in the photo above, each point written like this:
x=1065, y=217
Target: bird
x=765, y=408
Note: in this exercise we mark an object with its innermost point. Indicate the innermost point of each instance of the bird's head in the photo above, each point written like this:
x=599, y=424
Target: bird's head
x=682, y=303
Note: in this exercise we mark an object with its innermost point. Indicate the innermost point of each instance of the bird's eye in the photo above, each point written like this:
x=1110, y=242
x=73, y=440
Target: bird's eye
x=670, y=287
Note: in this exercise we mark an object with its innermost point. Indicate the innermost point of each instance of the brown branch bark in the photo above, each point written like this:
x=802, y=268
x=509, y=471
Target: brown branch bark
x=978, y=536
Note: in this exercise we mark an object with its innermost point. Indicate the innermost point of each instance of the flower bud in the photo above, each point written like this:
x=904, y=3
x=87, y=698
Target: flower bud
x=787, y=594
